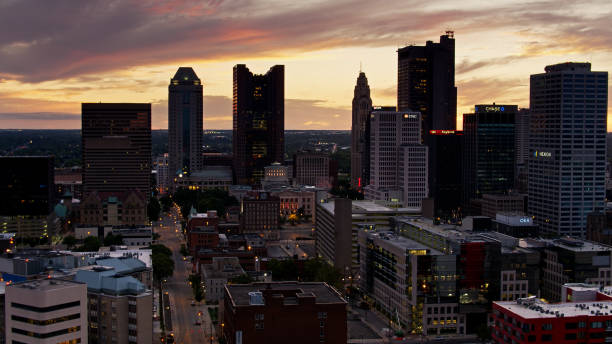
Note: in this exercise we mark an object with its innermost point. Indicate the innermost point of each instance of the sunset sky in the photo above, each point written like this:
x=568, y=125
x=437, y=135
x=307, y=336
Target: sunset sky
x=56, y=54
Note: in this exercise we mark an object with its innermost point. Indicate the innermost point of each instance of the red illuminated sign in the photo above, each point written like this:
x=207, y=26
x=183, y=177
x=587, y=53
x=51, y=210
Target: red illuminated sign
x=445, y=132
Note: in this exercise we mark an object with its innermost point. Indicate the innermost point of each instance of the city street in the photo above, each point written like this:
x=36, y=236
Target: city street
x=180, y=295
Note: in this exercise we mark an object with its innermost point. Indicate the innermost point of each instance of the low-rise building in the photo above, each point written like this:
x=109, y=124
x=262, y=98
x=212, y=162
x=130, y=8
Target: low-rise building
x=217, y=274
x=491, y=204
x=515, y=224
x=268, y=313
x=119, y=307
x=46, y=311
x=584, y=318
x=259, y=214
x=114, y=209
x=337, y=223
x=211, y=177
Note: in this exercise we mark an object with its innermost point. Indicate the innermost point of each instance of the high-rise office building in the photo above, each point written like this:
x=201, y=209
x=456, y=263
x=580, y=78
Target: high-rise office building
x=521, y=130
x=360, y=155
x=313, y=168
x=445, y=172
x=567, y=148
x=259, y=122
x=398, y=161
x=426, y=83
x=488, y=151
x=26, y=185
x=185, y=111
x=116, y=147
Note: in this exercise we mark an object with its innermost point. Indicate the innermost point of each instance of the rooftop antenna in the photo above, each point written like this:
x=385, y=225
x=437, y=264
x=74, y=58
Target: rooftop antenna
x=359, y=67
x=450, y=33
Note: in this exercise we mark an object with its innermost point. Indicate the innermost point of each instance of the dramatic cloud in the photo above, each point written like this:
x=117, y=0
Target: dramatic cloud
x=56, y=54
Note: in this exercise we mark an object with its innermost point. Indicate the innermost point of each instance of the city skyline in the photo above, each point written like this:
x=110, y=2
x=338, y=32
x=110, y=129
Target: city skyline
x=128, y=51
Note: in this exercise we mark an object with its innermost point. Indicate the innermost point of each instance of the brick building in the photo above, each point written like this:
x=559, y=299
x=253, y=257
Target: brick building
x=286, y=312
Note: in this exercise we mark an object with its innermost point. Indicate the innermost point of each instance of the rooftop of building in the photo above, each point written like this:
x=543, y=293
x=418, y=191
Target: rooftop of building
x=501, y=197
x=366, y=207
x=46, y=284
x=107, y=280
x=401, y=242
x=185, y=74
x=212, y=172
x=223, y=267
x=444, y=230
x=578, y=245
x=323, y=293
x=530, y=308
x=569, y=67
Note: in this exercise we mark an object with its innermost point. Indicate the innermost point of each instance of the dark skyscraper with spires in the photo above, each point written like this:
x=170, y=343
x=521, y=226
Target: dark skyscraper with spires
x=360, y=154
x=185, y=123
x=259, y=122
x=426, y=83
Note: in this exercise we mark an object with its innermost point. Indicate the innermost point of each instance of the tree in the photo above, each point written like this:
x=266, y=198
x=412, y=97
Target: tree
x=184, y=251
x=283, y=270
x=90, y=244
x=166, y=203
x=69, y=241
x=111, y=239
x=153, y=209
x=196, y=287
x=242, y=279
x=163, y=266
x=158, y=248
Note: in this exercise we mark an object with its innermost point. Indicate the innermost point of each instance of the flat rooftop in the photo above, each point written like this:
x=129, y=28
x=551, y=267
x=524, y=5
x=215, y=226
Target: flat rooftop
x=541, y=310
x=365, y=207
x=324, y=294
x=401, y=242
x=46, y=284
x=447, y=231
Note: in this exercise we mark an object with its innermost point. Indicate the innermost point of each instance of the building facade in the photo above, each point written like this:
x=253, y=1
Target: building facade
x=488, y=146
x=567, y=149
x=116, y=147
x=162, y=176
x=259, y=213
x=268, y=313
x=398, y=161
x=313, y=168
x=259, y=122
x=185, y=123
x=46, y=311
x=119, y=306
x=360, y=157
x=444, y=169
x=338, y=222
x=426, y=83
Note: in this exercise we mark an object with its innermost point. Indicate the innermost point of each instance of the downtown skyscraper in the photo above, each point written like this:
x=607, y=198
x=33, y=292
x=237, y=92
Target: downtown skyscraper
x=185, y=124
x=360, y=152
x=116, y=141
x=259, y=122
x=426, y=83
x=398, y=160
x=567, y=148
x=488, y=151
